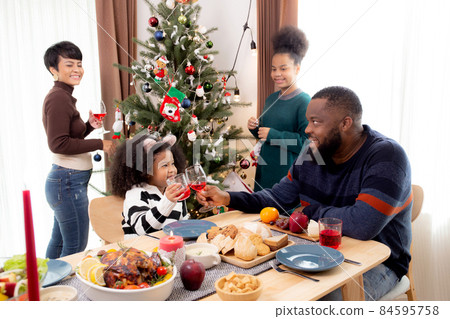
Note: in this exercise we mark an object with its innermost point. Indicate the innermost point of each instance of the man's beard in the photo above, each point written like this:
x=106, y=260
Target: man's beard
x=330, y=145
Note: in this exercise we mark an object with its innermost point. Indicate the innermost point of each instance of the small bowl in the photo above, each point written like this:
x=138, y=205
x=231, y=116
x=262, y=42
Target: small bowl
x=246, y=296
x=59, y=293
x=158, y=293
x=209, y=256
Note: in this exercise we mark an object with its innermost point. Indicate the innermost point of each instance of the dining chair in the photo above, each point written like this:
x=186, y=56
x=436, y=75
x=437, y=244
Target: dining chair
x=105, y=214
x=406, y=283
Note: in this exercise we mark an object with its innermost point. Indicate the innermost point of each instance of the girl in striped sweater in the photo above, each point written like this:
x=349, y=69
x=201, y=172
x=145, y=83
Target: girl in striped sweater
x=139, y=173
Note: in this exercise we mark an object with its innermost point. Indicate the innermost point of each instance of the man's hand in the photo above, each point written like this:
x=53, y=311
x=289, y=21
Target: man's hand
x=213, y=196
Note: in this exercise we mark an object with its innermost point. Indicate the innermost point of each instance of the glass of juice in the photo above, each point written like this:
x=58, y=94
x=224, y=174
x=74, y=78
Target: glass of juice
x=330, y=232
x=197, y=181
x=181, y=179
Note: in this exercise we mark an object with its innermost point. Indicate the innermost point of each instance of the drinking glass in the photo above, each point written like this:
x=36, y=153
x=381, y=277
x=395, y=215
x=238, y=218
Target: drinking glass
x=330, y=232
x=197, y=181
x=180, y=178
x=100, y=116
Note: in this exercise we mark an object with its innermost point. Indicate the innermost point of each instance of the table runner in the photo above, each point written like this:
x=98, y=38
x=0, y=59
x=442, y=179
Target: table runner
x=207, y=288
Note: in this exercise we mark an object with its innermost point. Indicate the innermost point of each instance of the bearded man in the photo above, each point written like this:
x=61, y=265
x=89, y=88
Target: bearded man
x=350, y=172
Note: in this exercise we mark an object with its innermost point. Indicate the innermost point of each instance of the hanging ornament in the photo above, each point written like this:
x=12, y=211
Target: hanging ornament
x=161, y=70
x=189, y=69
x=225, y=118
x=170, y=4
x=190, y=80
x=182, y=19
x=207, y=86
x=226, y=98
x=209, y=44
x=153, y=22
x=183, y=1
x=188, y=24
x=196, y=39
x=191, y=135
x=217, y=159
x=97, y=157
x=243, y=176
x=194, y=119
x=244, y=163
x=146, y=87
x=159, y=35
x=207, y=128
x=186, y=103
x=170, y=109
x=118, y=124
x=199, y=91
x=205, y=57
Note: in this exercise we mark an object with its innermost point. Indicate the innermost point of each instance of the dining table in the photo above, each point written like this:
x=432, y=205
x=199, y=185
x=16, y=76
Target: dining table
x=285, y=286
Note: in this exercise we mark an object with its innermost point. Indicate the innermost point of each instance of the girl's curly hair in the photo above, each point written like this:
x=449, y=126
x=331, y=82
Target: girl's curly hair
x=124, y=174
x=290, y=40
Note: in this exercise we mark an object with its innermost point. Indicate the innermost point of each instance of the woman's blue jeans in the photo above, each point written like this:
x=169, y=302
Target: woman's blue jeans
x=66, y=192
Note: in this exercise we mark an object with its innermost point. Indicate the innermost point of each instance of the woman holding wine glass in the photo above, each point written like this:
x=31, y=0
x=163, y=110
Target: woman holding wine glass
x=66, y=185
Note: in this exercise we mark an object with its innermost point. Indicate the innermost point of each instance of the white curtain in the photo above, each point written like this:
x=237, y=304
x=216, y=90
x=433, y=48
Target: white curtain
x=27, y=29
x=395, y=56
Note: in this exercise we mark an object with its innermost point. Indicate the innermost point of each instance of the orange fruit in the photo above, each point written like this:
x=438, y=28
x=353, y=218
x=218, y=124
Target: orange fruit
x=269, y=214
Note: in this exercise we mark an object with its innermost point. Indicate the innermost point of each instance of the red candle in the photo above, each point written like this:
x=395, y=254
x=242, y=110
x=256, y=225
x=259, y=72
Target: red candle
x=32, y=272
x=171, y=243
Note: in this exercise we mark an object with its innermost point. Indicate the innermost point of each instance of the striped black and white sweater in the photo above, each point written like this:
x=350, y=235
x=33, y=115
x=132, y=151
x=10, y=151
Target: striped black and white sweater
x=146, y=210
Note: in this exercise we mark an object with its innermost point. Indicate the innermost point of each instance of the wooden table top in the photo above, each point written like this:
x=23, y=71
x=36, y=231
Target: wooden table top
x=284, y=286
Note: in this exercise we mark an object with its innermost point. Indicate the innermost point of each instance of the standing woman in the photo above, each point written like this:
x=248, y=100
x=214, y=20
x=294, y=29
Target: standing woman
x=66, y=185
x=282, y=124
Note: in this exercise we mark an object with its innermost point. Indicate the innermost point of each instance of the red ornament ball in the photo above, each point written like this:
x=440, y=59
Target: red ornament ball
x=205, y=57
x=182, y=1
x=244, y=164
x=153, y=21
x=189, y=69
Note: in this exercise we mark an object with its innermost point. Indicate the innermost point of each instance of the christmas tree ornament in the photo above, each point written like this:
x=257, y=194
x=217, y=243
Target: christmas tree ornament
x=146, y=87
x=207, y=86
x=211, y=58
x=202, y=29
x=173, y=92
x=183, y=1
x=159, y=35
x=196, y=39
x=118, y=124
x=217, y=159
x=182, y=19
x=209, y=44
x=153, y=22
x=207, y=128
x=170, y=4
x=243, y=176
x=161, y=70
x=191, y=136
x=244, y=163
x=200, y=91
x=132, y=123
x=190, y=69
x=205, y=57
x=226, y=98
x=194, y=119
x=225, y=118
x=188, y=24
x=170, y=109
x=97, y=157
x=186, y=103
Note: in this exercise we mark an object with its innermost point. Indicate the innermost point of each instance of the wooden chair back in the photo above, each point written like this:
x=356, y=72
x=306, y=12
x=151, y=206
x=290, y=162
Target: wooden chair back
x=106, y=218
x=416, y=209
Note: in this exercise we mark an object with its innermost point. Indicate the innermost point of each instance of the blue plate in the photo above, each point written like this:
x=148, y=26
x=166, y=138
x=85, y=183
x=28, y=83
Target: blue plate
x=57, y=270
x=188, y=229
x=312, y=258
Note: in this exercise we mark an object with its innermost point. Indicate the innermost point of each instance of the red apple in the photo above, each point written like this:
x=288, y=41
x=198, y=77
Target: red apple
x=9, y=288
x=192, y=274
x=298, y=222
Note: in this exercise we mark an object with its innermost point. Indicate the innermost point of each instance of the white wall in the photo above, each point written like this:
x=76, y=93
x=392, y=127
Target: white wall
x=229, y=17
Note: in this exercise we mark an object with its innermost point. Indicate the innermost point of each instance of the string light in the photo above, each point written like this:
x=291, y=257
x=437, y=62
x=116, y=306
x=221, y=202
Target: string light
x=253, y=48
x=236, y=97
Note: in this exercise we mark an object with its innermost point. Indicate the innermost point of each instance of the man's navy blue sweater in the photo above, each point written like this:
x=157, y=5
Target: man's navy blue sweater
x=371, y=193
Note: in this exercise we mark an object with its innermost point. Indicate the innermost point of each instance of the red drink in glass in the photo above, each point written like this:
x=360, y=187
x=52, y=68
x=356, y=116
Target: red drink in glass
x=198, y=186
x=186, y=194
x=330, y=238
x=99, y=116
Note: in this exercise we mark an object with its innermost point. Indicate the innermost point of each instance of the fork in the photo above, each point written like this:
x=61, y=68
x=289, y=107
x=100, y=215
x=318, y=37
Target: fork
x=291, y=272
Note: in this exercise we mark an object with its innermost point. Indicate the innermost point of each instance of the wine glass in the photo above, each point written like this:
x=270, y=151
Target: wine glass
x=197, y=181
x=180, y=178
x=100, y=116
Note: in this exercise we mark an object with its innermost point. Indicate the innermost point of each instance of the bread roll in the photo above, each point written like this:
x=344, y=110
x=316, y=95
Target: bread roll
x=258, y=228
x=244, y=248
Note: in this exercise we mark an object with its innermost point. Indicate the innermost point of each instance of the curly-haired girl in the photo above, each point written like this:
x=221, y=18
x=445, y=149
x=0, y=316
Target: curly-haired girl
x=282, y=123
x=139, y=172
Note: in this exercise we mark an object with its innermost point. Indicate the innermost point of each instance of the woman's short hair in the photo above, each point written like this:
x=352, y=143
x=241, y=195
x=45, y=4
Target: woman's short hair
x=64, y=49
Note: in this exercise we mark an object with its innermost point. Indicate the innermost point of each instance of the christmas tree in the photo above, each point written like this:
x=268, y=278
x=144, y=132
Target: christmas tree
x=179, y=91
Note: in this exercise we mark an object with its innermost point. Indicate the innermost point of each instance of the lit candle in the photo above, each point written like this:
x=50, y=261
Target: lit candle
x=171, y=243
x=32, y=272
